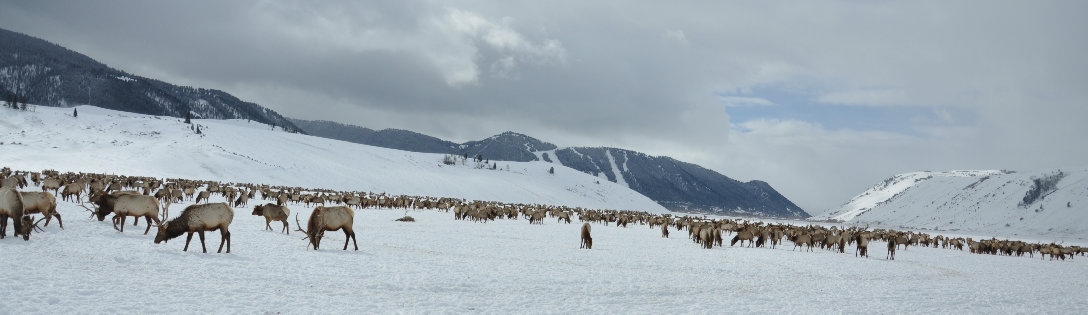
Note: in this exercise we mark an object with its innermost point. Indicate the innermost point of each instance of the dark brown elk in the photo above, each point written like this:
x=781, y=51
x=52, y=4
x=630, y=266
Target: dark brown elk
x=891, y=248
x=862, y=240
x=587, y=240
x=41, y=202
x=273, y=212
x=329, y=219
x=11, y=206
x=199, y=218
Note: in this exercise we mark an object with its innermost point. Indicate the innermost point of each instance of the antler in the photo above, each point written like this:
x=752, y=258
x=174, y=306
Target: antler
x=298, y=227
x=85, y=207
x=36, y=227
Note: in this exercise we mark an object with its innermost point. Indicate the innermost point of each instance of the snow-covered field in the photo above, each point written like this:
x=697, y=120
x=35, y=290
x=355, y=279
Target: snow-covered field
x=112, y=142
x=438, y=264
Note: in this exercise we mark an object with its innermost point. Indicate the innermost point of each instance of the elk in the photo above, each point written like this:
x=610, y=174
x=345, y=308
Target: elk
x=863, y=245
x=242, y=200
x=41, y=202
x=891, y=248
x=124, y=204
x=199, y=218
x=665, y=230
x=73, y=189
x=203, y=195
x=11, y=206
x=587, y=240
x=272, y=212
x=329, y=219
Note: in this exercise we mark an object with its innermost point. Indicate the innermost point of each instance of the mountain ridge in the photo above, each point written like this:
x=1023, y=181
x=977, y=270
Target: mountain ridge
x=677, y=185
x=52, y=75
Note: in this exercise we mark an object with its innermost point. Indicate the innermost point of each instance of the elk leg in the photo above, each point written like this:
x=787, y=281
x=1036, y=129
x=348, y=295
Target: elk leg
x=187, y=240
x=267, y=222
x=123, y=218
x=353, y=241
x=202, y=242
x=285, y=228
x=148, y=218
x=55, y=214
x=224, y=237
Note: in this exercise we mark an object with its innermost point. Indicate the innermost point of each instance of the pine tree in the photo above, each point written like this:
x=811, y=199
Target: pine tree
x=188, y=117
x=75, y=112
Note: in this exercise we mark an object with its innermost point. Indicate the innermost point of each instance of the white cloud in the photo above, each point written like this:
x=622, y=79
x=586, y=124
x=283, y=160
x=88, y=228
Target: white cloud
x=866, y=97
x=740, y=101
x=676, y=36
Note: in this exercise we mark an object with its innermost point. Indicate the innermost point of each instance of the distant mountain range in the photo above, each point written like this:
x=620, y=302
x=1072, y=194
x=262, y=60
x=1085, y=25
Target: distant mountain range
x=677, y=185
x=980, y=202
x=47, y=74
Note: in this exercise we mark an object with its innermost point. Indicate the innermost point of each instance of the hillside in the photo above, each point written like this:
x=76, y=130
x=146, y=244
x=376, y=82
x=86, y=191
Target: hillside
x=676, y=185
x=51, y=75
x=1047, y=203
x=106, y=141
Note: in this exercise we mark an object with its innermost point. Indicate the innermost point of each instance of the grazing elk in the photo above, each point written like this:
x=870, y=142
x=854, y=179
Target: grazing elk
x=199, y=218
x=72, y=190
x=41, y=202
x=329, y=219
x=124, y=204
x=11, y=206
x=272, y=212
x=587, y=240
x=204, y=195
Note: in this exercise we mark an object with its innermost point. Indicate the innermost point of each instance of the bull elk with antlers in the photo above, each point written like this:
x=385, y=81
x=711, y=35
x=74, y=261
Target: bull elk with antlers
x=199, y=218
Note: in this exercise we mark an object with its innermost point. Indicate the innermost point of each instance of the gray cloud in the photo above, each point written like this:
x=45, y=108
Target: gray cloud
x=646, y=76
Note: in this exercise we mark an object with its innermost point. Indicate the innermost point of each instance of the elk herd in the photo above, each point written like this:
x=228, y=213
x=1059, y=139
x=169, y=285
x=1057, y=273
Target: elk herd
x=150, y=198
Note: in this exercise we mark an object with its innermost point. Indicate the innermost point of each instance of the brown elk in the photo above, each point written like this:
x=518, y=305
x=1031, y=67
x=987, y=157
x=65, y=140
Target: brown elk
x=329, y=219
x=124, y=204
x=665, y=230
x=272, y=212
x=11, y=206
x=891, y=247
x=242, y=200
x=72, y=190
x=587, y=240
x=862, y=239
x=41, y=202
x=204, y=195
x=199, y=218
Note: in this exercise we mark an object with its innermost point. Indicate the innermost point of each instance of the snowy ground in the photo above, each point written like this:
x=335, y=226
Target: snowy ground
x=438, y=264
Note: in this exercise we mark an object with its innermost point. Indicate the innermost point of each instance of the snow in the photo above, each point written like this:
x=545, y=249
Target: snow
x=982, y=203
x=616, y=169
x=438, y=264
x=126, y=78
x=105, y=141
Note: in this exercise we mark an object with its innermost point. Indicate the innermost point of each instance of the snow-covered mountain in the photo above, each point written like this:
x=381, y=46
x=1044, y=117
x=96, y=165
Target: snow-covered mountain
x=47, y=74
x=674, y=184
x=106, y=141
x=1052, y=203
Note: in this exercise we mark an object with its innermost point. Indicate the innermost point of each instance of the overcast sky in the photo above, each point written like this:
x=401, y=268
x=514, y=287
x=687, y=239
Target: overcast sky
x=822, y=99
